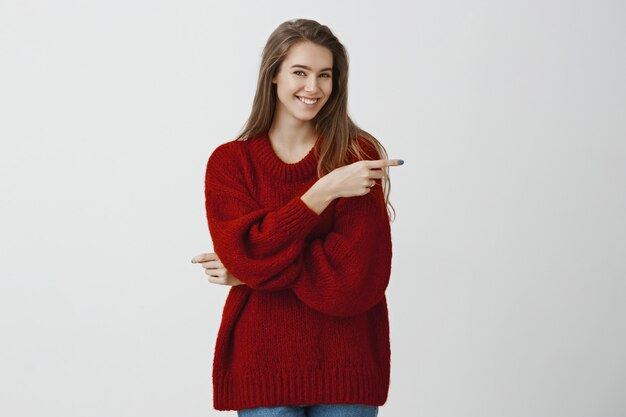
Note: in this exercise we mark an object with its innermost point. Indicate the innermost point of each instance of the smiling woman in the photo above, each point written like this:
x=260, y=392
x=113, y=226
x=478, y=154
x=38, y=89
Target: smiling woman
x=298, y=214
x=302, y=90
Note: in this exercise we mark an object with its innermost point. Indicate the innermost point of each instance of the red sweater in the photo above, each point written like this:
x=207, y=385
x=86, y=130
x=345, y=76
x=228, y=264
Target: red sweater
x=311, y=324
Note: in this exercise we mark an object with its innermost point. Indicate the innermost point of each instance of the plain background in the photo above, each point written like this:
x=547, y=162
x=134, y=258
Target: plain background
x=507, y=295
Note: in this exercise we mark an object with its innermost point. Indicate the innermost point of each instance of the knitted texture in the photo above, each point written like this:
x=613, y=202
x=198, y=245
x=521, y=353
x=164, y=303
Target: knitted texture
x=311, y=324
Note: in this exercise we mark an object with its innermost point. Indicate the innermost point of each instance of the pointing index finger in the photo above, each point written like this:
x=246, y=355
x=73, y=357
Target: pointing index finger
x=210, y=256
x=380, y=163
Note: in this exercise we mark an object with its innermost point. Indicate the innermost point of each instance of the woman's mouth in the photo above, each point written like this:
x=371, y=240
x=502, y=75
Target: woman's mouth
x=307, y=101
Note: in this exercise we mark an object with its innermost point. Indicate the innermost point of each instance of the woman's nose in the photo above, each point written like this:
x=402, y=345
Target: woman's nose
x=311, y=84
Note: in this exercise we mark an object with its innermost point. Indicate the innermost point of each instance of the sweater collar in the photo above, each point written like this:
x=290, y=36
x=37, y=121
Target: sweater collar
x=304, y=169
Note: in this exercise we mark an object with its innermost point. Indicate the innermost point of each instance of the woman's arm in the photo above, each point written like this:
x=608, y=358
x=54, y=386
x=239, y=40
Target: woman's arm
x=256, y=244
x=343, y=273
x=346, y=272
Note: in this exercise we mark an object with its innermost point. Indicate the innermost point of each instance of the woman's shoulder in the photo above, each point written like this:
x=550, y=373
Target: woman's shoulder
x=223, y=159
x=229, y=149
x=231, y=152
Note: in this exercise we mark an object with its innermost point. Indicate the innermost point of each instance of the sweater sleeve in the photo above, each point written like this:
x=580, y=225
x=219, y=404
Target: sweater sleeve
x=346, y=272
x=257, y=245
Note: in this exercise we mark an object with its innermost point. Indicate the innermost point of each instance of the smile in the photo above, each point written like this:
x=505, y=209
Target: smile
x=307, y=101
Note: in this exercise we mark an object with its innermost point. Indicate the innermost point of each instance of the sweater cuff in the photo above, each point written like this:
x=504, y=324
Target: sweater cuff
x=298, y=219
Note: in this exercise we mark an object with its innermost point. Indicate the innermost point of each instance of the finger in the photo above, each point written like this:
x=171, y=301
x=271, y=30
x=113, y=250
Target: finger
x=212, y=264
x=209, y=256
x=376, y=173
x=201, y=258
x=215, y=280
x=215, y=272
x=381, y=163
x=233, y=282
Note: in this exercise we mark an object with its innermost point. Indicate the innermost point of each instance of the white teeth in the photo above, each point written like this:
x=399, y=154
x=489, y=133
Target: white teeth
x=307, y=101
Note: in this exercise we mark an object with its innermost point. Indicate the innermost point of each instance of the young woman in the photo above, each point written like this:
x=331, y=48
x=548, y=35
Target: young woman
x=301, y=231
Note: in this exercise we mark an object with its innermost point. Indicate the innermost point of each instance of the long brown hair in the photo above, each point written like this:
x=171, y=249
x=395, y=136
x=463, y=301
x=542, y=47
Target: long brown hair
x=332, y=124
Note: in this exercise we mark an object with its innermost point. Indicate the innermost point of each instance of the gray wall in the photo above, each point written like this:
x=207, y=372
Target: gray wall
x=507, y=291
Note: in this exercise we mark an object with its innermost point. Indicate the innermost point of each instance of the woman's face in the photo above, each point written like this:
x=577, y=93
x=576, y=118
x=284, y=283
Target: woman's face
x=305, y=73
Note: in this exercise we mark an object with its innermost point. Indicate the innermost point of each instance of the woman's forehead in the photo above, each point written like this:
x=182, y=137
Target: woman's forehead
x=310, y=56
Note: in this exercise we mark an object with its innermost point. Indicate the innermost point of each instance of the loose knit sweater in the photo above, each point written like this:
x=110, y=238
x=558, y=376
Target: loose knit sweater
x=310, y=325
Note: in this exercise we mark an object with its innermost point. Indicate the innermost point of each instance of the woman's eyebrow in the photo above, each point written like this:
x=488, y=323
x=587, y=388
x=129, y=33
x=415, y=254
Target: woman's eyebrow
x=309, y=68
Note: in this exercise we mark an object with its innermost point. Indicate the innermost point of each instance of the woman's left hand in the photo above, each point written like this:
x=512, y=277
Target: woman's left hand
x=215, y=270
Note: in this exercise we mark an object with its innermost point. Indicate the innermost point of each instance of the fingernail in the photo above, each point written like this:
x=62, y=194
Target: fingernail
x=400, y=162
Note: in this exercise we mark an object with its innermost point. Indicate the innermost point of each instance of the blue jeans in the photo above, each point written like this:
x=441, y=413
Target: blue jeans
x=318, y=410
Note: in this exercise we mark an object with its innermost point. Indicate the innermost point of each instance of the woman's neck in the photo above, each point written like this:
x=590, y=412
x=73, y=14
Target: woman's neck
x=297, y=135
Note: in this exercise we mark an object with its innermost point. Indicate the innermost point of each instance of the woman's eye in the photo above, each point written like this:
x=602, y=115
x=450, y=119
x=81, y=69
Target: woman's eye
x=326, y=75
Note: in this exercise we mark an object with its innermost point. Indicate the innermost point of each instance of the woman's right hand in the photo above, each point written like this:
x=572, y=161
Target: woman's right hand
x=347, y=181
x=355, y=179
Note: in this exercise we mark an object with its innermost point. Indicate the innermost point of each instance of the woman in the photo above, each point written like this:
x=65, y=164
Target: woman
x=300, y=228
